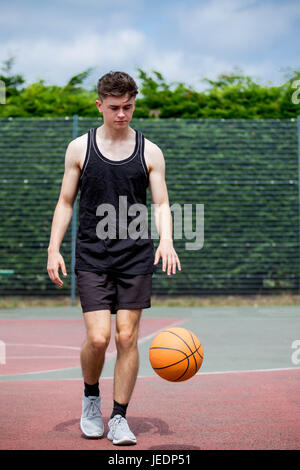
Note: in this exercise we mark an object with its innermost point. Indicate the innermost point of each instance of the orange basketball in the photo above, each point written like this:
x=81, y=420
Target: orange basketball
x=176, y=354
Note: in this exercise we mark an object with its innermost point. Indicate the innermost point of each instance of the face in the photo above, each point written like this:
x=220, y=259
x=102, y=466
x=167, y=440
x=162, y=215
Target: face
x=117, y=111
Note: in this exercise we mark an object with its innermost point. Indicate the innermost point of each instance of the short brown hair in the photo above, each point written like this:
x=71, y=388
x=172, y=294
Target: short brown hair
x=116, y=84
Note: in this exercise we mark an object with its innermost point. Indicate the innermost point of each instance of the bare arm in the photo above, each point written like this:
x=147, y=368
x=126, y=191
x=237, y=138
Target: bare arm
x=163, y=216
x=64, y=210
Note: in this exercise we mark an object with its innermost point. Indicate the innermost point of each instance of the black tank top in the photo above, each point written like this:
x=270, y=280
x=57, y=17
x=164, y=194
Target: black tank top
x=104, y=181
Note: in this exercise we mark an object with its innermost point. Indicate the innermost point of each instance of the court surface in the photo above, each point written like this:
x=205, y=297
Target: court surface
x=245, y=396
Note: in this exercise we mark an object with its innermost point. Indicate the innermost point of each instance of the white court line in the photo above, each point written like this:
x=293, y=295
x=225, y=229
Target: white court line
x=40, y=372
x=157, y=377
x=221, y=372
x=247, y=371
x=44, y=346
x=108, y=356
x=42, y=357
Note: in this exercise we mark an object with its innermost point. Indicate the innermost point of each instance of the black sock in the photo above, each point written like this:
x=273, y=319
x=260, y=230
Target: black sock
x=91, y=390
x=119, y=409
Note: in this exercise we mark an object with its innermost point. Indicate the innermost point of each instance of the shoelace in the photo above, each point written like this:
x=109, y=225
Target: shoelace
x=118, y=420
x=122, y=421
x=93, y=409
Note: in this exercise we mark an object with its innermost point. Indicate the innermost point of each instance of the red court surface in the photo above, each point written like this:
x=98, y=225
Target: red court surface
x=211, y=411
x=246, y=410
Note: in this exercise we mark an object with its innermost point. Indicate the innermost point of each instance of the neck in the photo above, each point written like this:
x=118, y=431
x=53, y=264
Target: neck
x=110, y=133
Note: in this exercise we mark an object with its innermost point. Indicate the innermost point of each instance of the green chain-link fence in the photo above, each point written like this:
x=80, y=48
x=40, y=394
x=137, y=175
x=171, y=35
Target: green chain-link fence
x=244, y=172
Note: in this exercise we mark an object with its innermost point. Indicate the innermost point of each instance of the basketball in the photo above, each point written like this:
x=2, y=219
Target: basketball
x=176, y=354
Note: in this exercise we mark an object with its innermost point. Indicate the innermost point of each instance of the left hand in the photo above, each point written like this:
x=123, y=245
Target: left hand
x=165, y=250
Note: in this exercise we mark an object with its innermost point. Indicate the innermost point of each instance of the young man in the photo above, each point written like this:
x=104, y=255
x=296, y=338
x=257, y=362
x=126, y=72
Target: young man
x=112, y=165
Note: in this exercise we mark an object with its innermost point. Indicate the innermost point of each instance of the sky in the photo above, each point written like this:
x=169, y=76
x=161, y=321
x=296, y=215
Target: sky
x=185, y=41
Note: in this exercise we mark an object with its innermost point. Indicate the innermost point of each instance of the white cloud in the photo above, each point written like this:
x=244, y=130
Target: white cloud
x=204, y=40
x=57, y=60
x=236, y=25
x=192, y=68
x=210, y=66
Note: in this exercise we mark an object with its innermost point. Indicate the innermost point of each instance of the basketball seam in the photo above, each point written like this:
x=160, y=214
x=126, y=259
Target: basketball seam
x=196, y=365
x=170, y=349
x=197, y=349
x=187, y=368
x=168, y=331
x=184, y=343
x=175, y=363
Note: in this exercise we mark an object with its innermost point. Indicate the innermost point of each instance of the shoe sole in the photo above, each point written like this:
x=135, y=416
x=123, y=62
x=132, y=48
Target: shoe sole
x=95, y=434
x=122, y=442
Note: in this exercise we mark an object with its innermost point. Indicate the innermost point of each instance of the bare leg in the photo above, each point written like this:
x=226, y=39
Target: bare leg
x=93, y=350
x=127, y=362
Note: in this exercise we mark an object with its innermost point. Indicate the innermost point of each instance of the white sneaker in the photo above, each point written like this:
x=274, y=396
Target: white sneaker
x=91, y=423
x=119, y=431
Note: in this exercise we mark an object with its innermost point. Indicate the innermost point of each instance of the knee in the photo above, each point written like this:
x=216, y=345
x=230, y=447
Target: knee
x=98, y=342
x=126, y=339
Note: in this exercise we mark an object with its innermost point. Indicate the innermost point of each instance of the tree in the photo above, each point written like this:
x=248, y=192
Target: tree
x=232, y=95
x=12, y=82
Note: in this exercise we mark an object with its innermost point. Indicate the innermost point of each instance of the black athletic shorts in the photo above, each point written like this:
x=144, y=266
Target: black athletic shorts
x=113, y=291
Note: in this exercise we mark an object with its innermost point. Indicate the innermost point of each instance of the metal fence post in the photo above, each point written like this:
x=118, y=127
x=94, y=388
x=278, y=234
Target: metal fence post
x=74, y=219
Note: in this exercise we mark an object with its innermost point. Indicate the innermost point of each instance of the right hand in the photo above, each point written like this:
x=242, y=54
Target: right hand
x=56, y=261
